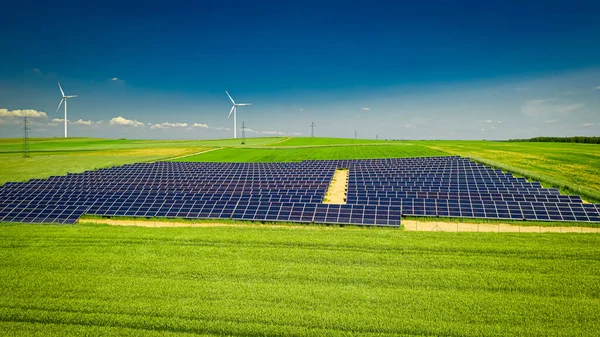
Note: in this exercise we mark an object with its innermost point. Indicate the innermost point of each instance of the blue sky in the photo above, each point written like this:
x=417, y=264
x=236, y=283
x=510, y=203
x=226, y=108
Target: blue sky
x=392, y=69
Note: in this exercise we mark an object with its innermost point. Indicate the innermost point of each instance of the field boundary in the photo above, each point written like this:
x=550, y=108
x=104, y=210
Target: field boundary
x=329, y=145
x=455, y=227
x=280, y=141
x=193, y=154
x=410, y=225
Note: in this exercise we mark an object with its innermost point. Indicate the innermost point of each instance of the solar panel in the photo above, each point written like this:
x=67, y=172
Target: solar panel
x=379, y=192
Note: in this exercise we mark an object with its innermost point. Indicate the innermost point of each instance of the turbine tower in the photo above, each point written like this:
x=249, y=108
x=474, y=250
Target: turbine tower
x=234, y=110
x=64, y=98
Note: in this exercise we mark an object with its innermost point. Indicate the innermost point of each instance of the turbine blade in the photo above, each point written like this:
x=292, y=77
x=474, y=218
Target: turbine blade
x=59, y=104
x=233, y=107
x=232, y=101
x=61, y=91
x=73, y=96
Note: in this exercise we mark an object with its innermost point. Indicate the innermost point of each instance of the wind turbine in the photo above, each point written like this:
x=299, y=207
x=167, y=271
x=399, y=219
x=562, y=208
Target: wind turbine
x=64, y=98
x=234, y=110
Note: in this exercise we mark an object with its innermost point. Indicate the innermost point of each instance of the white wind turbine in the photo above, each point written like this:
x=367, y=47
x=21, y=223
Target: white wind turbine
x=64, y=98
x=234, y=110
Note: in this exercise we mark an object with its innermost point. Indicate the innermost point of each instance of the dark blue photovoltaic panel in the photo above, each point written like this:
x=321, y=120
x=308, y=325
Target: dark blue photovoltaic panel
x=379, y=192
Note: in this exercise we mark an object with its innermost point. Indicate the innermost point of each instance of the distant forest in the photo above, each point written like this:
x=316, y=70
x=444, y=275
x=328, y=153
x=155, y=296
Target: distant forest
x=579, y=139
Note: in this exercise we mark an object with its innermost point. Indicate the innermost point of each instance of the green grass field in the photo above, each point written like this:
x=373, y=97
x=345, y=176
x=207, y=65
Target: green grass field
x=297, y=281
x=305, y=141
x=56, y=156
x=313, y=153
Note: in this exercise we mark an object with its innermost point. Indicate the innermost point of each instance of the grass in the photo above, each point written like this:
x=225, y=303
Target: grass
x=313, y=153
x=574, y=168
x=305, y=141
x=296, y=281
x=56, y=156
x=45, y=164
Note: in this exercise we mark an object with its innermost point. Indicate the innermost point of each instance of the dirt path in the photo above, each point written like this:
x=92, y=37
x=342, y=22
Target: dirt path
x=280, y=141
x=193, y=154
x=336, y=194
x=409, y=225
x=413, y=225
x=150, y=223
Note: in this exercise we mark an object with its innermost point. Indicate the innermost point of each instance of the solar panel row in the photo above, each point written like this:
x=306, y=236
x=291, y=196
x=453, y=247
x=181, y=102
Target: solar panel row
x=373, y=196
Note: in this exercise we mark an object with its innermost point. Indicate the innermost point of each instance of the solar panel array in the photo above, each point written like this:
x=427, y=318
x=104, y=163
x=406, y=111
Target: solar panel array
x=379, y=192
x=458, y=187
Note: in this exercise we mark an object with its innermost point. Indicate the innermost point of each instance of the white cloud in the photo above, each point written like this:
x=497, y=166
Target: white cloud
x=587, y=125
x=82, y=122
x=198, y=125
x=37, y=71
x=538, y=107
x=116, y=80
x=297, y=134
x=270, y=132
x=492, y=122
x=124, y=122
x=550, y=121
x=410, y=126
x=365, y=109
x=597, y=87
x=23, y=113
x=166, y=125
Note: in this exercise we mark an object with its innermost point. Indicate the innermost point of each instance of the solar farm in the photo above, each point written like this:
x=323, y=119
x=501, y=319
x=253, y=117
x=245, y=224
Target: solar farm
x=277, y=255
x=379, y=193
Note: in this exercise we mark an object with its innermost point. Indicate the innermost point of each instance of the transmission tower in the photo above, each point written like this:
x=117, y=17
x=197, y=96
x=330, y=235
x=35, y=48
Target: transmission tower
x=354, y=134
x=243, y=132
x=312, y=129
x=25, y=137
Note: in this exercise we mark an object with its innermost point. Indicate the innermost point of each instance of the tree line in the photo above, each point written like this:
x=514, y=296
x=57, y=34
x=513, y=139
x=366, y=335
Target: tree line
x=577, y=139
